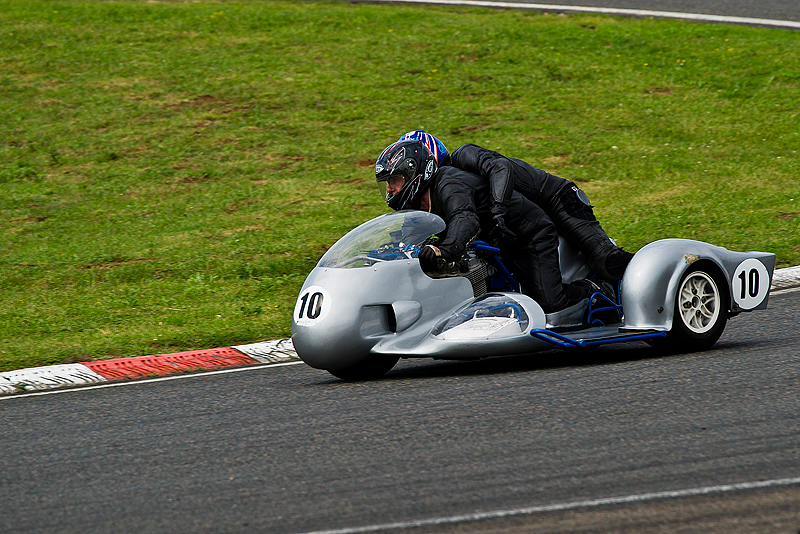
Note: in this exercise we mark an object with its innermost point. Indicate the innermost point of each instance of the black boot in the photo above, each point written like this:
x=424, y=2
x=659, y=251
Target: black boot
x=615, y=263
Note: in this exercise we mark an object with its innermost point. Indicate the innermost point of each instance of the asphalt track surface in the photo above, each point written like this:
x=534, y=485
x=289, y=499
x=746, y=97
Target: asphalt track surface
x=770, y=9
x=290, y=449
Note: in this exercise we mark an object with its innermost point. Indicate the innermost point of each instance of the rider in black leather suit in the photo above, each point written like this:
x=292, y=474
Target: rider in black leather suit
x=463, y=200
x=412, y=179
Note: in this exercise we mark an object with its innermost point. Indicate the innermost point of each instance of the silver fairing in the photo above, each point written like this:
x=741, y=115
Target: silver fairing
x=651, y=280
x=359, y=305
x=489, y=325
x=369, y=295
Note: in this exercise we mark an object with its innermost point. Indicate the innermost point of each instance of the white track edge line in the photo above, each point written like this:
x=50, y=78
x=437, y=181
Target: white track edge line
x=776, y=292
x=134, y=381
x=559, y=507
x=608, y=11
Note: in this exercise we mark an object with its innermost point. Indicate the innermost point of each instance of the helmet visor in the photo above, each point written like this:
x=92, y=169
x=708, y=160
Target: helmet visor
x=382, y=188
x=406, y=170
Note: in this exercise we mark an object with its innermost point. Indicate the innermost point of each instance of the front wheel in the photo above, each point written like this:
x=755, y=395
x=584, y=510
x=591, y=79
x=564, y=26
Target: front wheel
x=701, y=311
x=371, y=368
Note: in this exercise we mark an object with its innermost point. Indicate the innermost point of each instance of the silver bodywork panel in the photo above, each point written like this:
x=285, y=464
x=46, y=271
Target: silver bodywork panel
x=359, y=318
x=651, y=280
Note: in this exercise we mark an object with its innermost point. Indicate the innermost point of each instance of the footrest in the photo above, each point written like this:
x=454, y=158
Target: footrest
x=580, y=341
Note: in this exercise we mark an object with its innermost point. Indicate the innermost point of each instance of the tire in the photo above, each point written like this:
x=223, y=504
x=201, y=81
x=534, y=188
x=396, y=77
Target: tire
x=369, y=369
x=700, y=313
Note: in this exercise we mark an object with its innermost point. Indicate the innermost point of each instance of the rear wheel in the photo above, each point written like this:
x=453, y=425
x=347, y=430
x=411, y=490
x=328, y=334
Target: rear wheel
x=371, y=368
x=701, y=311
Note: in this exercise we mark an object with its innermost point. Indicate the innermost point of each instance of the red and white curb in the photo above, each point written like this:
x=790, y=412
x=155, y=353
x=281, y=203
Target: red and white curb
x=56, y=376
x=280, y=350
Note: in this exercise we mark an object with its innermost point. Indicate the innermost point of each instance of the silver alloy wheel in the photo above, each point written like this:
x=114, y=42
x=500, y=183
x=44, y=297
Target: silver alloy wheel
x=699, y=302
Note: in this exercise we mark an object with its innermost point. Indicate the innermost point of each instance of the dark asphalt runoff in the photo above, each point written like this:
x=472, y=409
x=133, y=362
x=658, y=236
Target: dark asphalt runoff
x=291, y=449
x=772, y=10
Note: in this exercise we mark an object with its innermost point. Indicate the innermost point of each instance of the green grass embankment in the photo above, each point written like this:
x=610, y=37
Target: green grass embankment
x=171, y=171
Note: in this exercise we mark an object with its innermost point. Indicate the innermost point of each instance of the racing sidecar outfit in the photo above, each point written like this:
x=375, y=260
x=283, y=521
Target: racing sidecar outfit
x=463, y=200
x=563, y=202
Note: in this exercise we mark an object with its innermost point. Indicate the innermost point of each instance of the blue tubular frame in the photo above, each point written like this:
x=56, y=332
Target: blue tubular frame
x=607, y=303
x=559, y=340
x=611, y=306
x=483, y=246
x=563, y=342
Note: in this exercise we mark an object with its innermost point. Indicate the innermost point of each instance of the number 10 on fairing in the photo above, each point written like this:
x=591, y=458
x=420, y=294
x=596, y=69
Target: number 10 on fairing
x=312, y=306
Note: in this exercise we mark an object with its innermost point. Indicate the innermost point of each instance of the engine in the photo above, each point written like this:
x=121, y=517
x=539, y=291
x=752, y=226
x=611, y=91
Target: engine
x=474, y=268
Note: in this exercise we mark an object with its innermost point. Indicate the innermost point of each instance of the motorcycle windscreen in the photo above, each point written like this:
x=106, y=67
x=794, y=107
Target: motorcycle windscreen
x=488, y=315
x=390, y=237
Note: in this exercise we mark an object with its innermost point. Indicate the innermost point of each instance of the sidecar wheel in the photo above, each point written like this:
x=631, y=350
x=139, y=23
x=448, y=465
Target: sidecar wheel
x=369, y=369
x=701, y=311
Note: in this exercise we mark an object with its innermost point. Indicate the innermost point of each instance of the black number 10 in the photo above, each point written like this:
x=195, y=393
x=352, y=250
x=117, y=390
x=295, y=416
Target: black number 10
x=314, y=305
x=752, y=277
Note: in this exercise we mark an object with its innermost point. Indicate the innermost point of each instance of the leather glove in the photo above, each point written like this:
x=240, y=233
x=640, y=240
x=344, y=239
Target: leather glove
x=430, y=258
x=500, y=232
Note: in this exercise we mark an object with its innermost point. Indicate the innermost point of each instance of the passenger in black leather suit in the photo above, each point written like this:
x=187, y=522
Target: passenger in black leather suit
x=566, y=205
x=563, y=202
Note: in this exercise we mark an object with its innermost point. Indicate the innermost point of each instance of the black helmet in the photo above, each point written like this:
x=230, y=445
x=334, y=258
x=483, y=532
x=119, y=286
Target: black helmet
x=412, y=161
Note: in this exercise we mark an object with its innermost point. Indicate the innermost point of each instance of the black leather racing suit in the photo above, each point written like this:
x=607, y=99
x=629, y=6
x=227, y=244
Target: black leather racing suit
x=464, y=201
x=563, y=202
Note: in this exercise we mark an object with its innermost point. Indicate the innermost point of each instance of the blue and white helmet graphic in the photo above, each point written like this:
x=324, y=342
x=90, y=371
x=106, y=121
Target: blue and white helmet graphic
x=433, y=144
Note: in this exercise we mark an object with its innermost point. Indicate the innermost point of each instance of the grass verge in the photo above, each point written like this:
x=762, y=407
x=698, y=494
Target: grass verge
x=171, y=171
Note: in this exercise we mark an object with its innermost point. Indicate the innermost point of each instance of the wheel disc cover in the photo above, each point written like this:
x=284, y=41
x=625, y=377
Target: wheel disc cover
x=699, y=302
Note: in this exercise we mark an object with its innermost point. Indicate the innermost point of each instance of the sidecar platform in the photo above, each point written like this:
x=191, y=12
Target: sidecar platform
x=594, y=336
